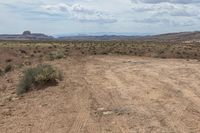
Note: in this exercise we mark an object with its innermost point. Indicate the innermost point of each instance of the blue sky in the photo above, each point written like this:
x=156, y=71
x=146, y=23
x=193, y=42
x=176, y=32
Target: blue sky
x=56, y=17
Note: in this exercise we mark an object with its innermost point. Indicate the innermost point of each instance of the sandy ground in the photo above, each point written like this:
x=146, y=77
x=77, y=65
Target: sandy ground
x=108, y=94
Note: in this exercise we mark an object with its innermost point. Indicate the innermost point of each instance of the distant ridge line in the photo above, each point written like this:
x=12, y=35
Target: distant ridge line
x=180, y=36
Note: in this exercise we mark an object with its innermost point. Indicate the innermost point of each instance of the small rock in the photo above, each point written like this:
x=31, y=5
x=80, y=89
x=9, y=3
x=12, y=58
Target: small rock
x=107, y=113
x=100, y=109
x=9, y=98
x=13, y=92
x=43, y=105
x=30, y=124
x=15, y=98
x=1, y=104
x=6, y=112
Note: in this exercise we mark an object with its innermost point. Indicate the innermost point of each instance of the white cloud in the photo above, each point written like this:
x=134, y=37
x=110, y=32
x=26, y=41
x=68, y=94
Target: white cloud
x=167, y=8
x=80, y=13
x=168, y=14
x=102, y=15
x=168, y=1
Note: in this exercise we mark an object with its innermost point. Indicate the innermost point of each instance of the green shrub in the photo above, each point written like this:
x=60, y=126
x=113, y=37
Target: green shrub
x=56, y=55
x=38, y=76
x=1, y=72
x=8, y=68
x=8, y=60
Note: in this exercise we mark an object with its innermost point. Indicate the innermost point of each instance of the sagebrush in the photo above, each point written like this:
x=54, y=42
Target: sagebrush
x=56, y=55
x=8, y=68
x=1, y=72
x=39, y=76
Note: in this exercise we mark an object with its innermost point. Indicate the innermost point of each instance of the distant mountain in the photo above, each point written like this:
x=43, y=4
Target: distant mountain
x=27, y=35
x=181, y=36
x=99, y=38
x=169, y=37
x=103, y=34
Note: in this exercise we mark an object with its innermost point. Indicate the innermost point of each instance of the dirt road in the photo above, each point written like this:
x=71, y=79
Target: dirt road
x=108, y=94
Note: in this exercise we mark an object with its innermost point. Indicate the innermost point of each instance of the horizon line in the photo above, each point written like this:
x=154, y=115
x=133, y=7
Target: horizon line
x=102, y=34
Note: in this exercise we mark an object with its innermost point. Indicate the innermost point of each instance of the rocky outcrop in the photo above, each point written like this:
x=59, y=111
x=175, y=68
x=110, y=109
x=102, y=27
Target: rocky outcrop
x=26, y=35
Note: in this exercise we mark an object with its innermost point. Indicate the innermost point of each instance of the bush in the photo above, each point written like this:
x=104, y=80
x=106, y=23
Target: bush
x=8, y=68
x=38, y=76
x=8, y=60
x=1, y=72
x=56, y=55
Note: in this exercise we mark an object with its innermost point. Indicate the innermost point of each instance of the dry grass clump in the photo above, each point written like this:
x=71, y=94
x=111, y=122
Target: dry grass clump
x=8, y=68
x=1, y=72
x=56, y=55
x=41, y=75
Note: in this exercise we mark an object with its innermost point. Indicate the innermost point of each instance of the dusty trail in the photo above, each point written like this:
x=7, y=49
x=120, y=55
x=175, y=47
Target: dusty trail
x=110, y=94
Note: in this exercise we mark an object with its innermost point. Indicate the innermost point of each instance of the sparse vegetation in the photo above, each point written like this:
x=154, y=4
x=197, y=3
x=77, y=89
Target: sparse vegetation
x=1, y=72
x=39, y=51
x=8, y=68
x=39, y=76
x=105, y=85
x=56, y=55
x=8, y=60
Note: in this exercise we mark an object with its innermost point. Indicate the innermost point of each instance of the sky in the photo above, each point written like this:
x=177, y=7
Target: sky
x=71, y=17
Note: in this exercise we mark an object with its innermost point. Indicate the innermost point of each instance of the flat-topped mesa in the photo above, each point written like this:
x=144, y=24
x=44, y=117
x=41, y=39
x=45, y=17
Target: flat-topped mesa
x=25, y=33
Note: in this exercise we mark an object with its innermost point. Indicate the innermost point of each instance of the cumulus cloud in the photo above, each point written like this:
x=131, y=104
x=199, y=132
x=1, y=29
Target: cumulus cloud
x=164, y=21
x=170, y=13
x=167, y=1
x=168, y=9
x=152, y=20
x=80, y=13
x=103, y=15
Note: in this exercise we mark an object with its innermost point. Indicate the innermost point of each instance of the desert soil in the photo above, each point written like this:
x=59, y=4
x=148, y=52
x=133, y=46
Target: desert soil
x=107, y=94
